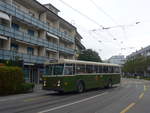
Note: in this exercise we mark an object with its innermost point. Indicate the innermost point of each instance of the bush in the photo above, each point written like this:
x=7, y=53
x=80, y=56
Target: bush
x=10, y=79
x=25, y=87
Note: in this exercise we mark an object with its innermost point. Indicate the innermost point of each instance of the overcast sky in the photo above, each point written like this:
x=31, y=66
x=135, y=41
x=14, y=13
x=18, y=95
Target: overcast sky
x=123, y=38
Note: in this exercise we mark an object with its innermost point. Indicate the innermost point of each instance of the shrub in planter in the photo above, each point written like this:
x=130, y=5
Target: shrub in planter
x=25, y=87
x=10, y=79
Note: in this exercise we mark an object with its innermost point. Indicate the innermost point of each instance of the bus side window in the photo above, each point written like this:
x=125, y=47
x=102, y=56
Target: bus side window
x=68, y=70
x=99, y=69
x=95, y=69
x=113, y=69
x=80, y=68
x=89, y=68
x=105, y=69
x=116, y=69
x=110, y=69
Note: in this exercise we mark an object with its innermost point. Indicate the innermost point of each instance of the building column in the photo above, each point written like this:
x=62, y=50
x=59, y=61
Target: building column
x=7, y=44
x=42, y=51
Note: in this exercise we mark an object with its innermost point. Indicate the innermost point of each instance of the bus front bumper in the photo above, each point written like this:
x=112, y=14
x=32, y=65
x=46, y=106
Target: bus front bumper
x=53, y=89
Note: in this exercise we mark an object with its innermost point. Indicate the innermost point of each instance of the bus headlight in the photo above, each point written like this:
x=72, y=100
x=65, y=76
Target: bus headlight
x=58, y=83
x=44, y=83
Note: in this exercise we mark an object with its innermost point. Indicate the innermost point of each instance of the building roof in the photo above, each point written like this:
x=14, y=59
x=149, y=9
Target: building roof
x=52, y=6
x=139, y=51
x=54, y=13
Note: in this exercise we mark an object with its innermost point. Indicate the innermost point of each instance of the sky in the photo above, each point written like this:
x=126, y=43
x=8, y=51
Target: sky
x=128, y=22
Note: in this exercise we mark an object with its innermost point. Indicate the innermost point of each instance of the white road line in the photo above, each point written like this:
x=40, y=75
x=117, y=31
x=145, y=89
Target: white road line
x=62, y=106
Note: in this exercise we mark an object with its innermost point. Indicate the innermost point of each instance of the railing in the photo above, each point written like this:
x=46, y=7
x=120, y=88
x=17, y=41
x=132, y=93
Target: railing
x=10, y=9
x=9, y=32
x=12, y=55
x=66, y=50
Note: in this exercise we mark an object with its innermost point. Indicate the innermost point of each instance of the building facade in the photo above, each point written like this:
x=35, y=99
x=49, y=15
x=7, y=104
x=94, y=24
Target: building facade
x=117, y=59
x=79, y=47
x=142, y=52
x=34, y=34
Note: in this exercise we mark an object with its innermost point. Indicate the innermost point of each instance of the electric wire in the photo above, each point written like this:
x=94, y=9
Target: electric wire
x=103, y=11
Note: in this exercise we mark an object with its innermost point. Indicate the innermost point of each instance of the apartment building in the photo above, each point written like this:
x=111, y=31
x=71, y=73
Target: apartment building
x=142, y=52
x=34, y=34
x=79, y=47
x=117, y=59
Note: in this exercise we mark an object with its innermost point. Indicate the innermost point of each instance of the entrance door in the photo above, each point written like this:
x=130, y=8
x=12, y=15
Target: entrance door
x=33, y=75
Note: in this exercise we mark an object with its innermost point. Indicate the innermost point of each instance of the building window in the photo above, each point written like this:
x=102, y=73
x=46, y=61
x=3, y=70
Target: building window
x=14, y=47
x=30, y=51
x=30, y=32
x=15, y=26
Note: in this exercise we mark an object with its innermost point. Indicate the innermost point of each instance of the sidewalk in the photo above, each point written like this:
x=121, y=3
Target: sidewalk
x=37, y=92
x=38, y=88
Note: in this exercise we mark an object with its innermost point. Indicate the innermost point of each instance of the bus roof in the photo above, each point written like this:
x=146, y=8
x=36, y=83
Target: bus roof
x=82, y=62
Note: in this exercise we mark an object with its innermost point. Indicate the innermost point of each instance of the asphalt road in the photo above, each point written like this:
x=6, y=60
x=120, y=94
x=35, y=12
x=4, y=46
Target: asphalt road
x=131, y=96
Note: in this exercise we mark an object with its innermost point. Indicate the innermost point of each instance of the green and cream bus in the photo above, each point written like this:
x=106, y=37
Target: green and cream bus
x=74, y=75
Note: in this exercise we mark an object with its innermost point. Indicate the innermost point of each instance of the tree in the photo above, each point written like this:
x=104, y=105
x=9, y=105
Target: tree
x=139, y=65
x=89, y=55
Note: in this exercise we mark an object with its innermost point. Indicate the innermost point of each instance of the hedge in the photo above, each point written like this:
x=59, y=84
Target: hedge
x=25, y=87
x=10, y=79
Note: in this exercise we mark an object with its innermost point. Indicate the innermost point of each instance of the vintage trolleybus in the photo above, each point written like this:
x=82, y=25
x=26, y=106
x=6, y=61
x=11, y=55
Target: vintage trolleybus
x=74, y=75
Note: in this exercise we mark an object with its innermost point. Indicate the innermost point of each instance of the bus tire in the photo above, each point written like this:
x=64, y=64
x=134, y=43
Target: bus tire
x=109, y=84
x=80, y=87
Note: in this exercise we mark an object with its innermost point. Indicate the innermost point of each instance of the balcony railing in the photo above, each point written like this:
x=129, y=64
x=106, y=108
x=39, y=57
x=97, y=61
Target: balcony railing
x=12, y=55
x=66, y=50
x=12, y=10
x=9, y=32
x=24, y=37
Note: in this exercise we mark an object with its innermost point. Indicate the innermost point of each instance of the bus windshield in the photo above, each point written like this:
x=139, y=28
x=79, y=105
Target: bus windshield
x=54, y=69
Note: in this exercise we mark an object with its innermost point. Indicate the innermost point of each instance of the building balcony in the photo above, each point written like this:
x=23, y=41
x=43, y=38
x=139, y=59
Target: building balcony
x=66, y=50
x=24, y=37
x=12, y=55
x=12, y=10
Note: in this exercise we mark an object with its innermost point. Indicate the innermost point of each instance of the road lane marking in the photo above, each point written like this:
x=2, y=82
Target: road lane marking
x=33, y=99
x=127, y=108
x=141, y=96
x=76, y=102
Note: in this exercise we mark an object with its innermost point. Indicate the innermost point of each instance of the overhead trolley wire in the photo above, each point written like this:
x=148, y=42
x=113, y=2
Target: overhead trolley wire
x=82, y=14
x=103, y=11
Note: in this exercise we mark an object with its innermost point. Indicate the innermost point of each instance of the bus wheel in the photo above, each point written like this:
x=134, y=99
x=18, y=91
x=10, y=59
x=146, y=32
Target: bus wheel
x=109, y=84
x=80, y=87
